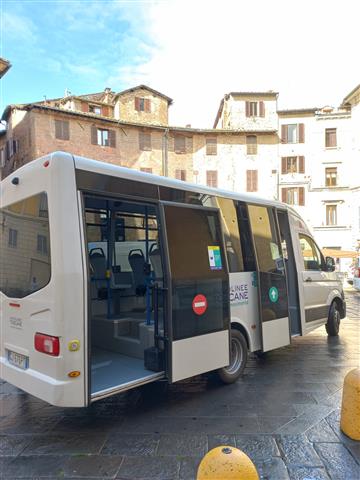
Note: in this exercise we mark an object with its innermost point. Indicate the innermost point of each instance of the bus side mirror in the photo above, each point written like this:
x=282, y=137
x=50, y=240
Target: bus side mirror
x=330, y=264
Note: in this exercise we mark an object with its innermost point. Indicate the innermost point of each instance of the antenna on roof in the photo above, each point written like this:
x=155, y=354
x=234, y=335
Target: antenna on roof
x=44, y=98
x=67, y=93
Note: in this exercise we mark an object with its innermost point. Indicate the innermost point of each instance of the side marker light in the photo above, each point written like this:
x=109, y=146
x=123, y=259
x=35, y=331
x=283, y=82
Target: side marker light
x=74, y=374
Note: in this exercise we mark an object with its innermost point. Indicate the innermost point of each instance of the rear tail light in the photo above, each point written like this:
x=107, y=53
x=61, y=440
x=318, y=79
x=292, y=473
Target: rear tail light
x=47, y=344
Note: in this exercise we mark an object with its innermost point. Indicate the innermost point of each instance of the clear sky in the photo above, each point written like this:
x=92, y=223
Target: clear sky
x=193, y=51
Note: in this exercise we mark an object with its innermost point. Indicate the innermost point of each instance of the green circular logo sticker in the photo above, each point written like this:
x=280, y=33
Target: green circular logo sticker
x=273, y=294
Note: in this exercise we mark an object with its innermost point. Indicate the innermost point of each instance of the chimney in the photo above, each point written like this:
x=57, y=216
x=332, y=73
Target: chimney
x=108, y=95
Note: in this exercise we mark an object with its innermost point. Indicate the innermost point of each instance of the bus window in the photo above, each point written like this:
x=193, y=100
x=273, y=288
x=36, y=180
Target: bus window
x=266, y=239
x=311, y=253
x=231, y=234
x=25, y=247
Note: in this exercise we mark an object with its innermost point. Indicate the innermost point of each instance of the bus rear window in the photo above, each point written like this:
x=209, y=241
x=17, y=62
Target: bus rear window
x=25, y=265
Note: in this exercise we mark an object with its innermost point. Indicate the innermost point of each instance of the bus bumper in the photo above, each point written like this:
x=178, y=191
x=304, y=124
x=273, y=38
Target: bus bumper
x=55, y=392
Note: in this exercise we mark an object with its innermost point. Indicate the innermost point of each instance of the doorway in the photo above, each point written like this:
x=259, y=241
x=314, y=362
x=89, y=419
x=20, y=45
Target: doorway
x=291, y=273
x=126, y=308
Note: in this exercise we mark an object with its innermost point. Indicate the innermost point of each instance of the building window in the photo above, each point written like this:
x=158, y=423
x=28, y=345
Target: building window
x=2, y=158
x=255, y=109
x=293, y=133
x=212, y=178
x=62, y=130
x=251, y=144
x=292, y=165
x=330, y=138
x=331, y=214
x=103, y=137
x=146, y=170
x=95, y=109
x=142, y=104
x=331, y=177
x=144, y=141
x=179, y=144
x=211, y=146
x=13, y=234
x=293, y=195
x=42, y=244
x=180, y=174
x=251, y=180
x=43, y=205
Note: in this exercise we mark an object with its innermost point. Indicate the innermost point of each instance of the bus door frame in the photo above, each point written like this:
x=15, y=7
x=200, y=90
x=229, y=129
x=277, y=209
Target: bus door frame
x=268, y=345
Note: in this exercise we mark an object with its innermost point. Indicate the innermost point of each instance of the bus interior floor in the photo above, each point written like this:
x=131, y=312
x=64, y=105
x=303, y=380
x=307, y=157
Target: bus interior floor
x=110, y=369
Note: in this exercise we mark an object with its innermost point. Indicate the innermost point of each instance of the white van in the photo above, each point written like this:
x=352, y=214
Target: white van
x=113, y=278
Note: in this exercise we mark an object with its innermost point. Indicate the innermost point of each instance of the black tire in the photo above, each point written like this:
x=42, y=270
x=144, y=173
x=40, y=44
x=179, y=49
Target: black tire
x=238, y=358
x=333, y=324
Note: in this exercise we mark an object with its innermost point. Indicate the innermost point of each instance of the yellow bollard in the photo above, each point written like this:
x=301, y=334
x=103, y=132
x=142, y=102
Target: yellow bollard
x=350, y=408
x=226, y=463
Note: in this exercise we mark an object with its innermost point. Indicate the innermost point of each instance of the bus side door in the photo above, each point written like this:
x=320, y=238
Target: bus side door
x=272, y=281
x=198, y=317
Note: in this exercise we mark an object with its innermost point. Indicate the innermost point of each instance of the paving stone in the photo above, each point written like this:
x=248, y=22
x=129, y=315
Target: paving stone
x=89, y=424
x=321, y=432
x=35, y=466
x=189, y=467
x=130, y=444
x=355, y=451
x=27, y=424
x=184, y=445
x=193, y=425
x=272, y=424
x=257, y=446
x=149, y=468
x=334, y=421
x=219, y=440
x=271, y=469
x=93, y=466
x=298, y=451
x=306, y=420
x=65, y=444
x=12, y=445
x=338, y=461
x=308, y=473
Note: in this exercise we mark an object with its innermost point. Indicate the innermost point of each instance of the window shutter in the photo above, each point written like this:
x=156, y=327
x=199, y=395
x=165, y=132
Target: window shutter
x=137, y=104
x=247, y=109
x=105, y=111
x=301, y=133
x=302, y=164
x=248, y=180
x=112, y=138
x=66, y=131
x=301, y=196
x=94, y=135
x=283, y=165
x=84, y=107
x=147, y=105
x=255, y=181
x=284, y=195
x=189, y=145
x=7, y=149
x=58, y=129
x=284, y=134
x=262, y=109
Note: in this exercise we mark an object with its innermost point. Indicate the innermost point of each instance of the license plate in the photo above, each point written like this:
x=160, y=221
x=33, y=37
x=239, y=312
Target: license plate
x=18, y=360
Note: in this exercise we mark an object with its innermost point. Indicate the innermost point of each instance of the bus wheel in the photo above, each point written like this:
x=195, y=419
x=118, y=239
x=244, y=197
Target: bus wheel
x=333, y=324
x=238, y=358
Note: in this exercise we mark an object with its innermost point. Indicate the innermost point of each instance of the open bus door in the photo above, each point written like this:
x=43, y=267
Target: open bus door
x=198, y=313
x=274, y=312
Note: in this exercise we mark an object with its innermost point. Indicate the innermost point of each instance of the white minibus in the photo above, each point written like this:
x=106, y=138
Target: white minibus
x=112, y=278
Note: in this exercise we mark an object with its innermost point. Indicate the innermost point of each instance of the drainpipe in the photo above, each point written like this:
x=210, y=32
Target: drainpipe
x=165, y=170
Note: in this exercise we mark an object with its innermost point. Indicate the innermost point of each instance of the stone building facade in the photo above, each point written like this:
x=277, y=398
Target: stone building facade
x=305, y=157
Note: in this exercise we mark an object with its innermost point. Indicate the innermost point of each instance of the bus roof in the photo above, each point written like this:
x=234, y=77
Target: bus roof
x=96, y=166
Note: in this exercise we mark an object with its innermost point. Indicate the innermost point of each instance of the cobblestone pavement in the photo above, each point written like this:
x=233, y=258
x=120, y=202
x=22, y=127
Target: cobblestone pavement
x=284, y=414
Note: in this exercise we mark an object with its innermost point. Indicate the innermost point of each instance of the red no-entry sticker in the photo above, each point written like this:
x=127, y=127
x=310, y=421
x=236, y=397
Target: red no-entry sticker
x=199, y=304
